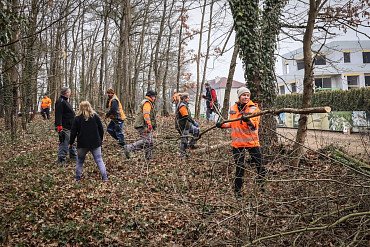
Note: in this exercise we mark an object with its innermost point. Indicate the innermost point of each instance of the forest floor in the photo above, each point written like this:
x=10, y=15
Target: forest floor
x=174, y=202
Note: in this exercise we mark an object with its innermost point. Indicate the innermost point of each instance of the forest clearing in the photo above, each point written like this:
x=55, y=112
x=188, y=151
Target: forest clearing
x=151, y=77
x=172, y=202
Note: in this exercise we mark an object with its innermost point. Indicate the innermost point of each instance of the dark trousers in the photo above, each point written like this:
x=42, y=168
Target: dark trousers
x=256, y=160
x=45, y=113
x=115, y=129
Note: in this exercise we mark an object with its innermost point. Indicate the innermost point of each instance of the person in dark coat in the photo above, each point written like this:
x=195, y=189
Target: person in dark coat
x=211, y=100
x=64, y=116
x=88, y=129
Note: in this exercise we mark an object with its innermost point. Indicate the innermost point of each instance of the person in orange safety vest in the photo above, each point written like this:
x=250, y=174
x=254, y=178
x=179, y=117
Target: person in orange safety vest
x=45, y=107
x=244, y=135
x=186, y=125
x=145, y=123
x=117, y=117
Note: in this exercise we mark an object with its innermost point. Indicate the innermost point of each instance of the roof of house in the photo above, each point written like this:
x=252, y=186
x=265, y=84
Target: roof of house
x=326, y=70
x=333, y=45
x=220, y=82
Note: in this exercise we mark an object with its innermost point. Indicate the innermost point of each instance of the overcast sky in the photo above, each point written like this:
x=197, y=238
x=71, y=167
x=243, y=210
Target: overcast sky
x=219, y=67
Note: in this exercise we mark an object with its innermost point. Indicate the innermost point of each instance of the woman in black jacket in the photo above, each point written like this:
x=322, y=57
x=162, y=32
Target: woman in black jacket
x=88, y=129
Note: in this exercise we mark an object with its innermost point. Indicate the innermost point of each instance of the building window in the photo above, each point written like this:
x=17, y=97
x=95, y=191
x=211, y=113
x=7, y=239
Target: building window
x=323, y=82
x=346, y=57
x=352, y=82
x=282, y=89
x=287, y=68
x=320, y=60
x=293, y=87
x=366, y=57
x=300, y=64
x=367, y=80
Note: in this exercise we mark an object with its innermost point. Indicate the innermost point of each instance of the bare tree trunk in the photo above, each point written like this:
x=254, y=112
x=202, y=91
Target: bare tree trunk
x=150, y=68
x=127, y=62
x=119, y=66
x=1, y=90
x=230, y=78
x=138, y=62
x=308, y=75
x=158, y=47
x=199, y=55
x=11, y=78
x=180, y=46
x=164, y=83
x=54, y=82
x=104, y=55
x=71, y=74
x=83, y=58
x=29, y=74
x=199, y=95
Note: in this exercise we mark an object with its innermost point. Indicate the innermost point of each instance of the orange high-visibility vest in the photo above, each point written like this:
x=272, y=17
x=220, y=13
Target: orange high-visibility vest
x=122, y=114
x=241, y=134
x=45, y=103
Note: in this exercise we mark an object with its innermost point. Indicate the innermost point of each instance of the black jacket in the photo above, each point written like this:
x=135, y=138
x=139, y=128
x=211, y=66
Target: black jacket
x=89, y=133
x=64, y=113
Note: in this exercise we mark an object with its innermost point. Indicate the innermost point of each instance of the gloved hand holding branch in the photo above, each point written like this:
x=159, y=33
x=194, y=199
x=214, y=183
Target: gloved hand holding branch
x=324, y=109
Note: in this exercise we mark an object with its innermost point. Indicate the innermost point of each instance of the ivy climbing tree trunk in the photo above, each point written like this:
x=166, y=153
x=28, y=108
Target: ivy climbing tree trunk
x=257, y=30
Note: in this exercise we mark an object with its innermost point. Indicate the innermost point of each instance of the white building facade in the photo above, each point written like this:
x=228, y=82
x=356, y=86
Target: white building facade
x=338, y=65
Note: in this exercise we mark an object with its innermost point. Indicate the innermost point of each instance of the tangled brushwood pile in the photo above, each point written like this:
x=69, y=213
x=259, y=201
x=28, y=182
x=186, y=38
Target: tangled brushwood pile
x=172, y=202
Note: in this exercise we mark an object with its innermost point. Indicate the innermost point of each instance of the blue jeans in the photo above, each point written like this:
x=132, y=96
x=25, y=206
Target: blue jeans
x=98, y=158
x=115, y=129
x=64, y=149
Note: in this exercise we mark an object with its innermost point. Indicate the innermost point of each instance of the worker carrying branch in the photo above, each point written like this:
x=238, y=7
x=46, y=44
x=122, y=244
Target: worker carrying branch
x=244, y=135
x=186, y=125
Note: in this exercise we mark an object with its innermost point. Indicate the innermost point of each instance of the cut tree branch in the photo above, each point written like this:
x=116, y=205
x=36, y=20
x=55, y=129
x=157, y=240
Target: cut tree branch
x=309, y=110
x=310, y=229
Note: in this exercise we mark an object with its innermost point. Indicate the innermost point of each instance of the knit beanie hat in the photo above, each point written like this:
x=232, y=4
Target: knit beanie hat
x=242, y=90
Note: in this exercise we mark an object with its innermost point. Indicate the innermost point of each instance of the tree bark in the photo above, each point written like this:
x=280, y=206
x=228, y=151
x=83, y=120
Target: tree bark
x=181, y=18
x=199, y=90
x=230, y=78
x=308, y=76
x=199, y=55
x=168, y=50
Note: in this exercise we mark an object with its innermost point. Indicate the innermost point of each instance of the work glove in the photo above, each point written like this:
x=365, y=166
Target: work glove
x=219, y=125
x=150, y=127
x=59, y=128
x=249, y=122
x=246, y=119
